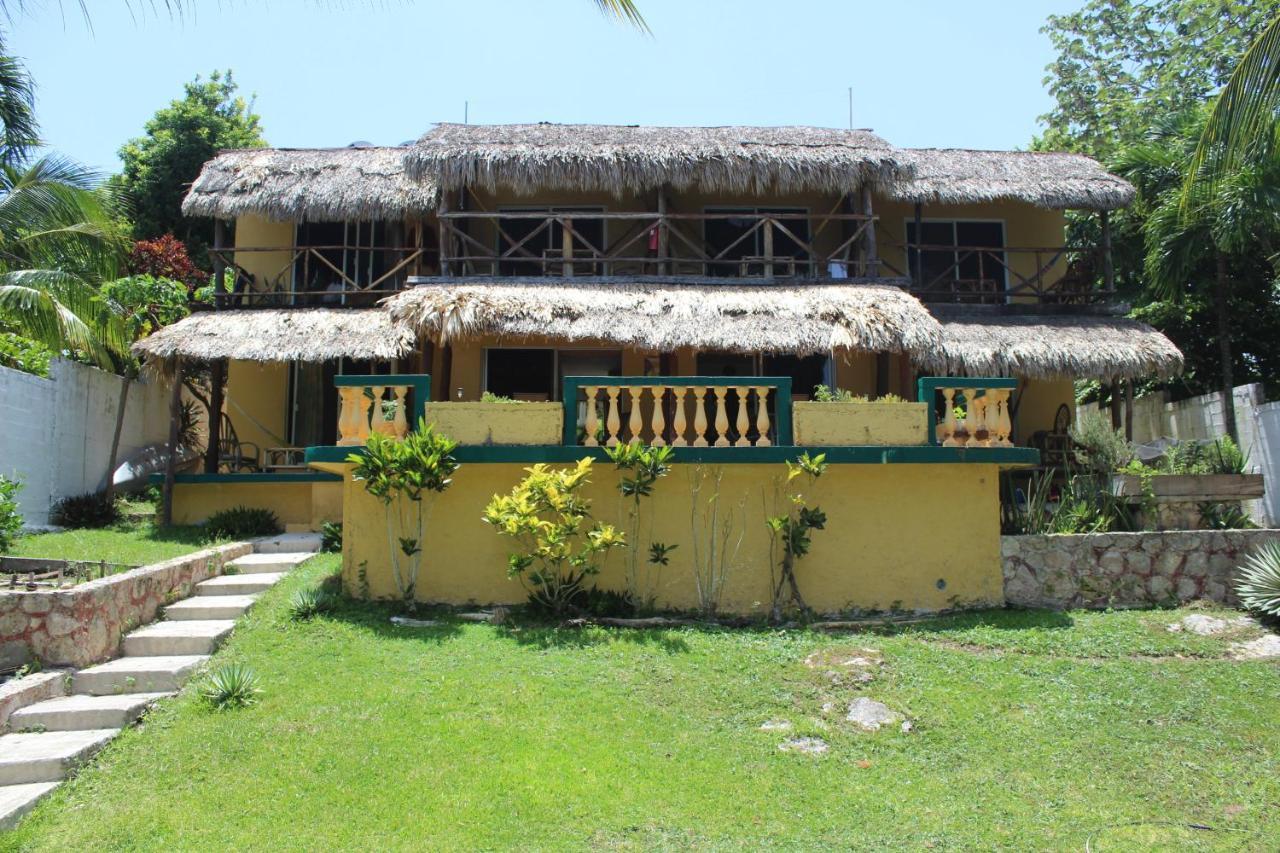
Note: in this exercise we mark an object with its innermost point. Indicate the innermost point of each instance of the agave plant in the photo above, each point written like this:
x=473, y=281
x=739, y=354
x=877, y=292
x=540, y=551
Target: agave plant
x=1259, y=583
x=309, y=603
x=234, y=685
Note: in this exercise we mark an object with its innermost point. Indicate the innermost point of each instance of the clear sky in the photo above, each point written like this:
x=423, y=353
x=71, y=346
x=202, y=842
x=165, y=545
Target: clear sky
x=965, y=73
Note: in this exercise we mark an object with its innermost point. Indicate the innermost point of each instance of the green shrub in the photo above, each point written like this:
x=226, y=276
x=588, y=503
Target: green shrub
x=490, y=397
x=1102, y=448
x=10, y=517
x=642, y=467
x=24, y=354
x=242, y=522
x=331, y=537
x=1259, y=582
x=309, y=602
x=825, y=394
x=89, y=510
x=1226, y=457
x=233, y=685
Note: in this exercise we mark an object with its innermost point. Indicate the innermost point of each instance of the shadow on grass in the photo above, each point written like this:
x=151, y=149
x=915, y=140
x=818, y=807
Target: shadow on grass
x=999, y=619
x=545, y=635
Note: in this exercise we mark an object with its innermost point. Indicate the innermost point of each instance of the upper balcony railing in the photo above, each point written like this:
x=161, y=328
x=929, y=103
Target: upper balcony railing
x=987, y=275
x=318, y=276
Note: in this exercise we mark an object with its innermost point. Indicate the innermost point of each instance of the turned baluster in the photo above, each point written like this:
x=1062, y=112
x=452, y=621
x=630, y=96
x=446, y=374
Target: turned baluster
x=593, y=417
x=762, y=416
x=349, y=416
x=378, y=420
x=1004, y=425
x=400, y=424
x=636, y=423
x=678, y=440
x=722, y=417
x=742, y=424
x=979, y=433
x=699, y=417
x=947, y=429
x=970, y=395
x=612, y=421
x=658, y=423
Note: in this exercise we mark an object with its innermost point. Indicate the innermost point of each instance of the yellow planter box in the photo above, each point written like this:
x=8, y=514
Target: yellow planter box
x=843, y=424
x=498, y=423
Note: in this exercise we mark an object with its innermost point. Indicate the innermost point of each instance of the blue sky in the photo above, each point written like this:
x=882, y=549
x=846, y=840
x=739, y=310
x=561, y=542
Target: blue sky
x=923, y=72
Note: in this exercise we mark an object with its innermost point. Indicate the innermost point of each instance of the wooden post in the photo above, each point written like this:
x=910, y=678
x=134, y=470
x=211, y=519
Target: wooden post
x=768, y=248
x=1116, y=404
x=1108, y=267
x=566, y=246
x=869, y=236
x=217, y=377
x=441, y=210
x=171, y=463
x=1128, y=409
x=219, y=266
x=664, y=235
x=918, y=273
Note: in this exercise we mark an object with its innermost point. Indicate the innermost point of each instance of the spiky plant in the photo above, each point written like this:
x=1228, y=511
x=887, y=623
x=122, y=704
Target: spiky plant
x=310, y=602
x=1259, y=582
x=232, y=685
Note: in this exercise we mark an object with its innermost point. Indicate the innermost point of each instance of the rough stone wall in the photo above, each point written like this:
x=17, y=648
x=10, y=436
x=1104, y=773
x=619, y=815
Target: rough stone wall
x=83, y=625
x=1125, y=569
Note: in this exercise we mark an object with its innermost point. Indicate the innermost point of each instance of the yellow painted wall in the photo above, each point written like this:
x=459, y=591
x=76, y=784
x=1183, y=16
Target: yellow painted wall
x=893, y=532
x=1038, y=404
x=270, y=270
x=299, y=506
x=257, y=401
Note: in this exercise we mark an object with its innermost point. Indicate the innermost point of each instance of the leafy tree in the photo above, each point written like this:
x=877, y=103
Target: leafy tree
x=19, y=132
x=178, y=140
x=165, y=257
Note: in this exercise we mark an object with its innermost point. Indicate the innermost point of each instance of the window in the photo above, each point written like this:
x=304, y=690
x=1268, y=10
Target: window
x=536, y=374
x=965, y=258
x=543, y=253
x=731, y=233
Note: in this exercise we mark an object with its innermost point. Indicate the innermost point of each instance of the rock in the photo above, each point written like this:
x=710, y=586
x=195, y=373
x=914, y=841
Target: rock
x=907, y=728
x=1188, y=589
x=869, y=715
x=1198, y=623
x=775, y=726
x=407, y=622
x=805, y=745
x=1266, y=646
x=1159, y=587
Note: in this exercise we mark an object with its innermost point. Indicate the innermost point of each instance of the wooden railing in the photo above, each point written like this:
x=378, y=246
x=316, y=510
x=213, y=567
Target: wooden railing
x=658, y=244
x=974, y=412
x=995, y=275
x=684, y=411
x=389, y=405
x=291, y=283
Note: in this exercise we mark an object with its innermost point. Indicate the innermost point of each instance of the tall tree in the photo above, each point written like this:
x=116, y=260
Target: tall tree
x=19, y=132
x=160, y=165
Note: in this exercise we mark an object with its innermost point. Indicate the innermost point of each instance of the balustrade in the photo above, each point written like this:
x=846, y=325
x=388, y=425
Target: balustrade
x=388, y=405
x=975, y=412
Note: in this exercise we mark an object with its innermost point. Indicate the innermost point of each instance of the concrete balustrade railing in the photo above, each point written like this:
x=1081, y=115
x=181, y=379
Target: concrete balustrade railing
x=379, y=404
x=975, y=412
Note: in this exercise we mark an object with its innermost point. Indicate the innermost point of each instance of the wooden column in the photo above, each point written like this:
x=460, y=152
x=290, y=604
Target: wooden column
x=441, y=210
x=917, y=272
x=217, y=378
x=1128, y=409
x=566, y=247
x=664, y=234
x=171, y=463
x=219, y=266
x=1108, y=266
x=1116, y=403
x=869, y=236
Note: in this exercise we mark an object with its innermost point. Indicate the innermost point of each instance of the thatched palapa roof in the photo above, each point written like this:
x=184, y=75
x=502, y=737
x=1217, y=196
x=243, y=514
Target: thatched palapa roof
x=801, y=319
x=625, y=158
x=314, y=184
x=1052, y=347
x=281, y=334
x=1047, y=179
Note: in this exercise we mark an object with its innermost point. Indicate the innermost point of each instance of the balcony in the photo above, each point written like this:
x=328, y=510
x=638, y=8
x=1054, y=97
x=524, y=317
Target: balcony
x=987, y=275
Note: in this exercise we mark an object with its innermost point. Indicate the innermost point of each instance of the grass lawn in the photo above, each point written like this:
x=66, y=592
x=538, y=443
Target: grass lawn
x=135, y=543
x=1032, y=730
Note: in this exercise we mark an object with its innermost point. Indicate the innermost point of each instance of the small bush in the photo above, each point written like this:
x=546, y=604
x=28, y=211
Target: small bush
x=309, y=603
x=331, y=537
x=825, y=394
x=1102, y=448
x=490, y=397
x=242, y=522
x=1259, y=583
x=87, y=510
x=233, y=685
x=10, y=517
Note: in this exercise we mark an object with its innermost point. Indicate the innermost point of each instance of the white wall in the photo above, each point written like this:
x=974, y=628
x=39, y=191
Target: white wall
x=55, y=433
x=1257, y=422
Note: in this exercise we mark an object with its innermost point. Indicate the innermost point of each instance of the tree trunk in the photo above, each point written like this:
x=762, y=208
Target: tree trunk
x=171, y=464
x=110, y=490
x=1221, y=301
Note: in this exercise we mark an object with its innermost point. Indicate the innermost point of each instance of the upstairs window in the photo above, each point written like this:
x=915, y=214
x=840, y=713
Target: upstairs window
x=961, y=257
x=339, y=258
x=541, y=244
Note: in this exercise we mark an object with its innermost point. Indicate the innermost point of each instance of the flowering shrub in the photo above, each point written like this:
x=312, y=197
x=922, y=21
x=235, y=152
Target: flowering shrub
x=165, y=257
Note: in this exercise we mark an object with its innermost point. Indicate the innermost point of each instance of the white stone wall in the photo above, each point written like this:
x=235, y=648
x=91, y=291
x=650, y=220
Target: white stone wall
x=55, y=433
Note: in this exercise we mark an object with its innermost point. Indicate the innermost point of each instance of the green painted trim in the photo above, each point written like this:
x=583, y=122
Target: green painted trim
x=927, y=387
x=255, y=477
x=861, y=455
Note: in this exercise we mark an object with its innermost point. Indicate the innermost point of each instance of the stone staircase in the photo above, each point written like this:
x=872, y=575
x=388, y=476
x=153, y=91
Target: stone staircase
x=53, y=737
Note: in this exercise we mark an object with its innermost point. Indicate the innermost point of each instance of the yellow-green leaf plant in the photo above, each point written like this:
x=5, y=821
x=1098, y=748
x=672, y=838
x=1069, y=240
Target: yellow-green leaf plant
x=791, y=531
x=641, y=468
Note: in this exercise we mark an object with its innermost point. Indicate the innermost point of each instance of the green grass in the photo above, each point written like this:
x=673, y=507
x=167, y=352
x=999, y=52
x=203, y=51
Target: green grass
x=134, y=543
x=1033, y=730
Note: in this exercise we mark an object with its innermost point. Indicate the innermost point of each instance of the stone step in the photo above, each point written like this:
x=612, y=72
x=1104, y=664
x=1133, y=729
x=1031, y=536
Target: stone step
x=78, y=713
x=239, y=584
x=48, y=756
x=137, y=675
x=180, y=637
x=17, y=800
x=210, y=607
x=257, y=563
x=288, y=543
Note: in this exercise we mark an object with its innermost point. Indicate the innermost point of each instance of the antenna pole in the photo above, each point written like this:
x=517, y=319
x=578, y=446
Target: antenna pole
x=466, y=110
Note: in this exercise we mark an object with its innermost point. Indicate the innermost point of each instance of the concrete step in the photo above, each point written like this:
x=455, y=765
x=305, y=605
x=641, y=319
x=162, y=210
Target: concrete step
x=288, y=543
x=137, y=675
x=78, y=713
x=257, y=563
x=210, y=607
x=181, y=637
x=48, y=756
x=239, y=584
x=17, y=800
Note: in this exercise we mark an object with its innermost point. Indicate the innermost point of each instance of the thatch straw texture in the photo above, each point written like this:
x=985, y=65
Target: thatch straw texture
x=280, y=334
x=315, y=184
x=1051, y=347
x=528, y=158
x=1052, y=180
x=801, y=319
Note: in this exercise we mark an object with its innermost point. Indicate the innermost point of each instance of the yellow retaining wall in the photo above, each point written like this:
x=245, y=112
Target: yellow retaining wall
x=498, y=423
x=838, y=424
x=300, y=506
x=893, y=533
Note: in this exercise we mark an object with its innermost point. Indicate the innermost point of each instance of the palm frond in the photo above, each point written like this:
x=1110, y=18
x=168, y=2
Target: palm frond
x=624, y=10
x=62, y=312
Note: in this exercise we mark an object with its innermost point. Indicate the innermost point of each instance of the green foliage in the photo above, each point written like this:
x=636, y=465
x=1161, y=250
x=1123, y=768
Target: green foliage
x=146, y=303
x=90, y=510
x=793, y=532
x=402, y=474
x=1101, y=448
x=21, y=353
x=19, y=130
x=10, y=516
x=1225, y=515
x=824, y=394
x=331, y=537
x=310, y=602
x=490, y=397
x=1036, y=516
x=1258, y=584
x=232, y=685
x=716, y=535
x=1087, y=505
x=548, y=517
x=160, y=165
x=242, y=522
x=165, y=257
x=643, y=467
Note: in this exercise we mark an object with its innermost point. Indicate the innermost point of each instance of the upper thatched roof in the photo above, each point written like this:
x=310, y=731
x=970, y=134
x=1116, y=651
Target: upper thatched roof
x=316, y=184
x=281, y=334
x=532, y=157
x=1052, y=180
x=801, y=319
x=1051, y=347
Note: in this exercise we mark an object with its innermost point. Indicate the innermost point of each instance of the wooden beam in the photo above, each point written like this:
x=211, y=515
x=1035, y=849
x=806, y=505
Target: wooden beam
x=664, y=235
x=918, y=270
x=444, y=232
x=1128, y=409
x=1116, y=405
x=217, y=377
x=171, y=463
x=870, y=256
x=1108, y=266
x=219, y=263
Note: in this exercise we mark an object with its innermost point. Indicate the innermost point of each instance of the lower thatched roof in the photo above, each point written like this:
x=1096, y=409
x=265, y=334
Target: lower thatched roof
x=801, y=318
x=281, y=334
x=1050, y=347
x=1058, y=181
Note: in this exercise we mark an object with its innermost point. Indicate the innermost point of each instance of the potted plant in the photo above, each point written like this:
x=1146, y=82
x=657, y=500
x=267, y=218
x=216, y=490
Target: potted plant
x=495, y=420
x=836, y=417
